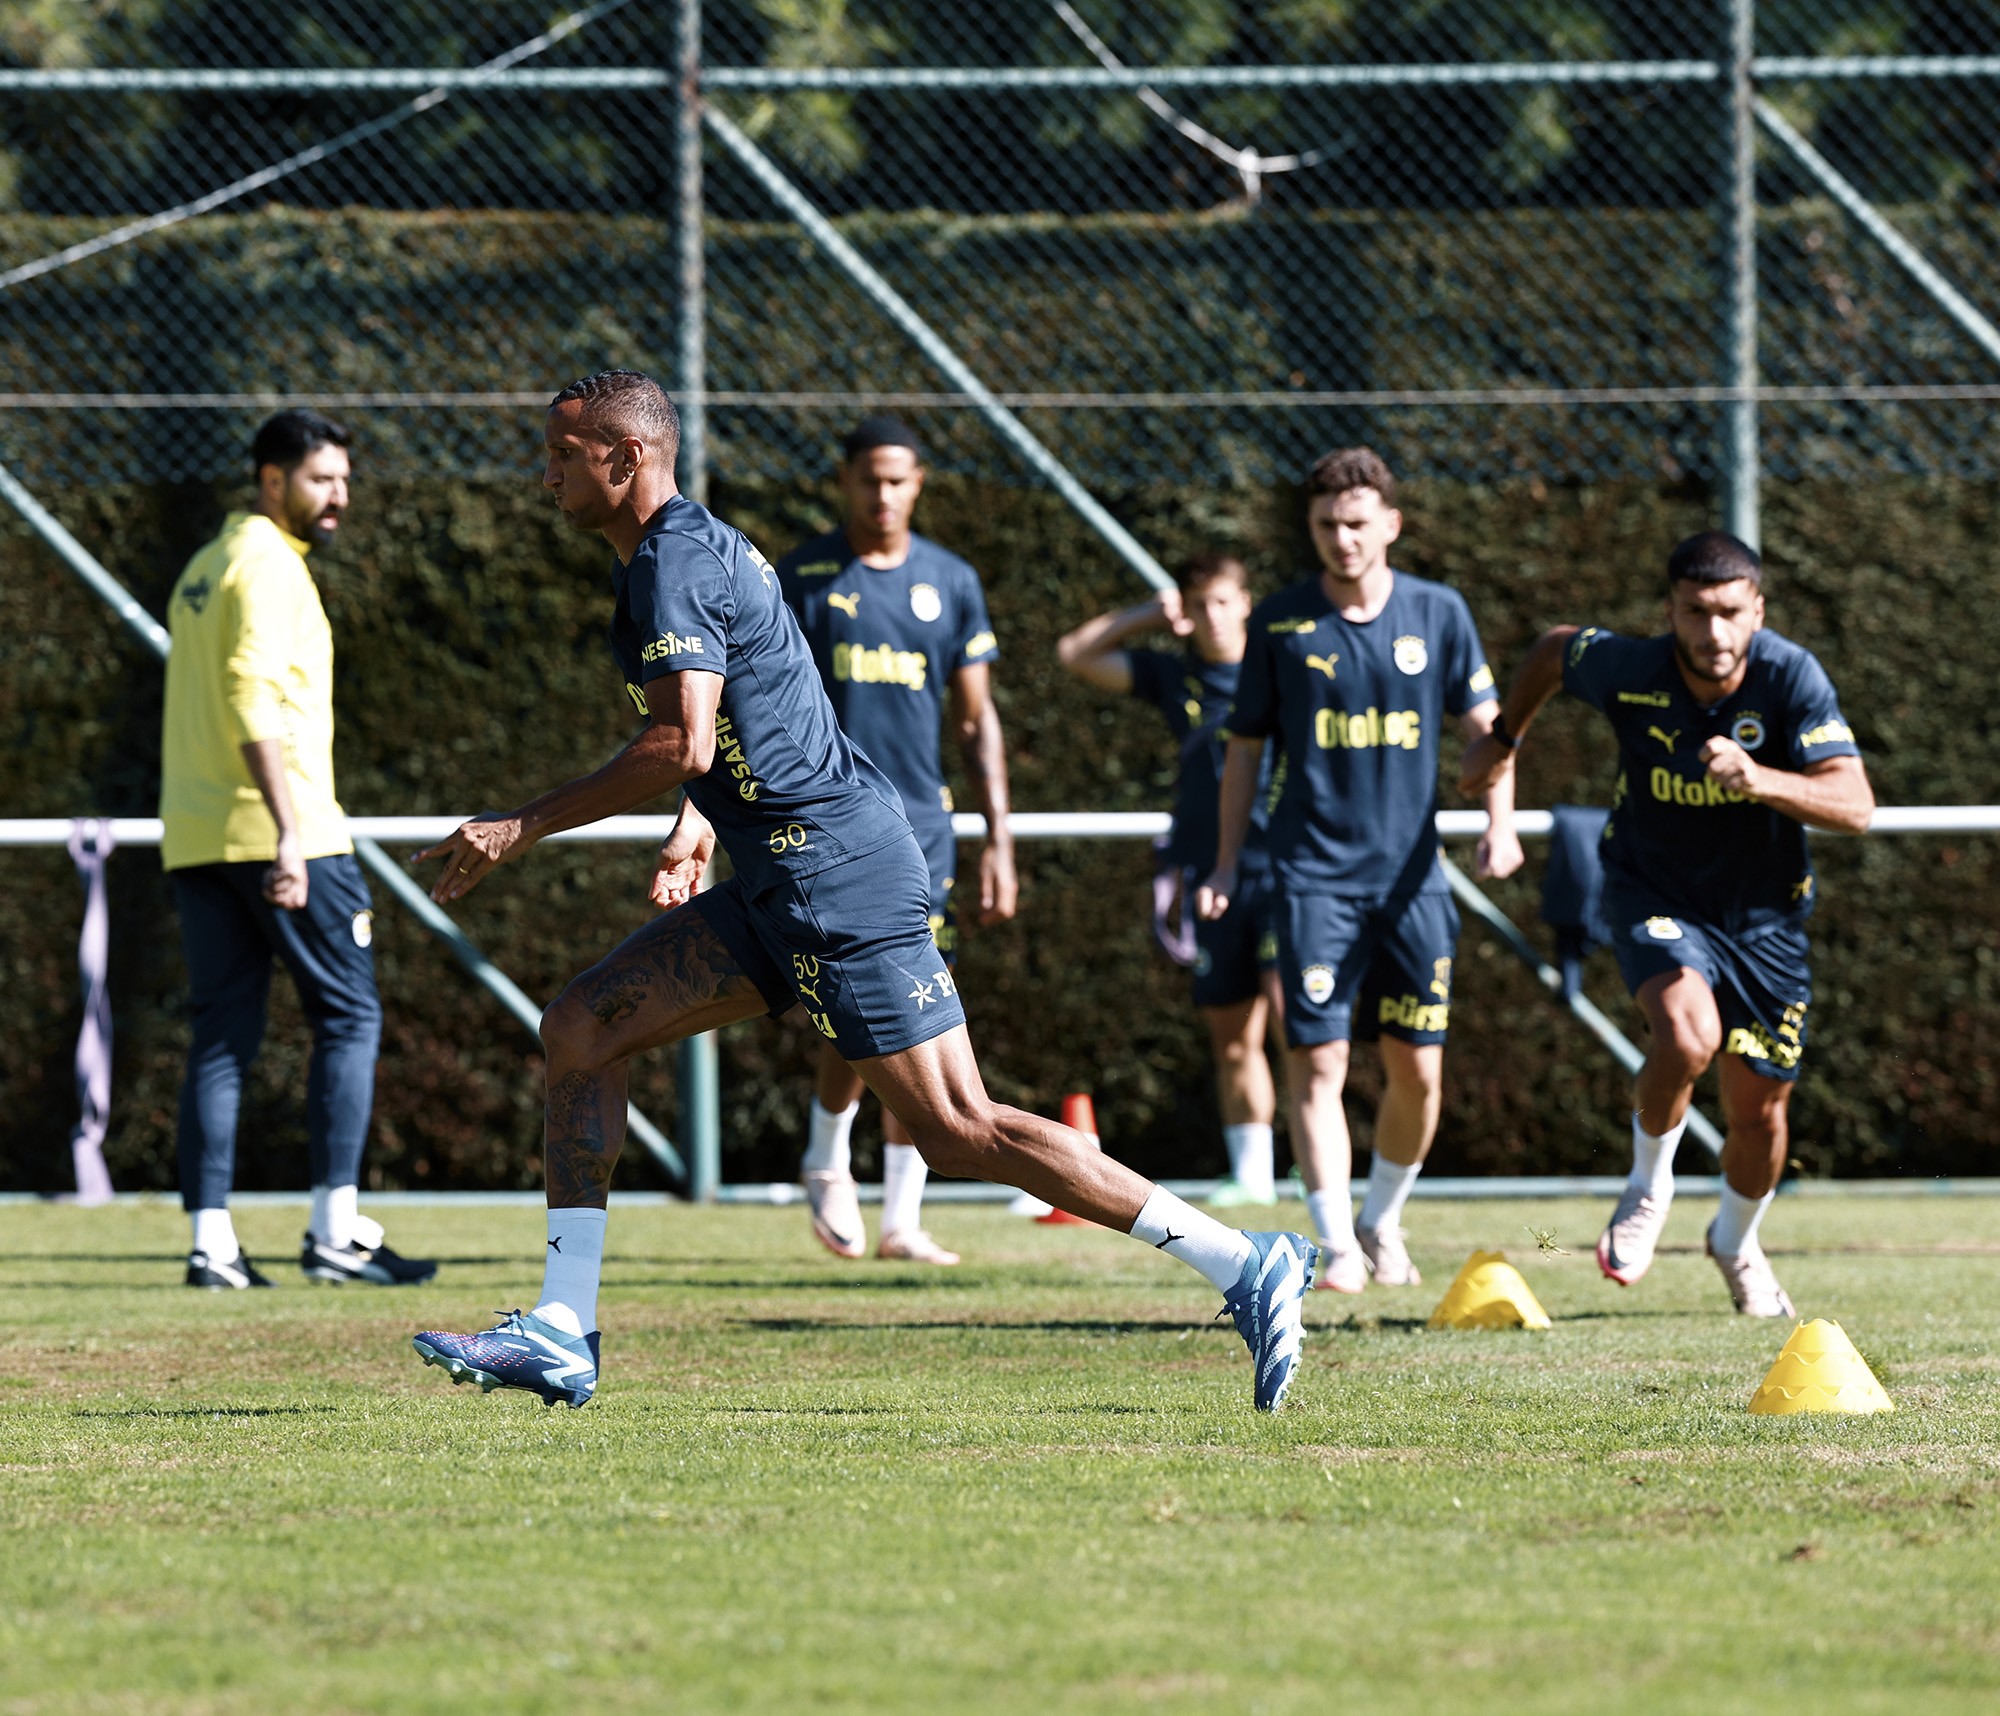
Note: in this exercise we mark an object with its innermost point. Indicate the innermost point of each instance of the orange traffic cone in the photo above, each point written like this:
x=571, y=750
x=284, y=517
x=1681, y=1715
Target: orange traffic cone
x=1080, y=1116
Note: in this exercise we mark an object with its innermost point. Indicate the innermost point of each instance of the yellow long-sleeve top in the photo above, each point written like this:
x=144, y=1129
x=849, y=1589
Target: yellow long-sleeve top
x=252, y=660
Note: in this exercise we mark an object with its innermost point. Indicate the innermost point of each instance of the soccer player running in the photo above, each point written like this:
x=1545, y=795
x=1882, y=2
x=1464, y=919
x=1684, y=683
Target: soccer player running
x=1354, y=671
x=1731, y=745
x=1235, y=964
x=829, y=909
x=895, y=622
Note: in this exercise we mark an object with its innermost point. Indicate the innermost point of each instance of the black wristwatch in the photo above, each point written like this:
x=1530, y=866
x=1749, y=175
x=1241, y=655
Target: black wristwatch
x=1499, y=731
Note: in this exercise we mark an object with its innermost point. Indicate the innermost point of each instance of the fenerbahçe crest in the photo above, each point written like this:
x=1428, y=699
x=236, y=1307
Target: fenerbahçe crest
x=1318, y=981
x=925, y=602
x=1748, y=730
x=1410, y=654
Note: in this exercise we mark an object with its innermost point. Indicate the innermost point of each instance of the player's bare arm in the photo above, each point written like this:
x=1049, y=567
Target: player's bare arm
x=1499, y=853
x=1536, y=680
x=285, y=882
x=675, y=746
x=1241, y=766
x=983, y=747
x=1092, y=651
x=1833, y=795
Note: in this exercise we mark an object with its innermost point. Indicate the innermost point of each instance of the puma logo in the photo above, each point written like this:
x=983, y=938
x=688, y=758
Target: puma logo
x=1664, y=737
x=846, y=604
x=1171, y=1238
x=1323, y=662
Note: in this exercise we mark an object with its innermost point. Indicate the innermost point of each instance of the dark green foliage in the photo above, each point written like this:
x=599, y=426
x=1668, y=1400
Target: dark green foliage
x=472, y=671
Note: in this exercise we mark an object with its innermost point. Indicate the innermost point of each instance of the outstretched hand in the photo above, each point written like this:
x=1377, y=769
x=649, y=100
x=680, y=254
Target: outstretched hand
x=682, y=863
x=473, y=850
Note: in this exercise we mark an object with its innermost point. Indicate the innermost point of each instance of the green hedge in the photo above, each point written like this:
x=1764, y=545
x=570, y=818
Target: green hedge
x=472, y=670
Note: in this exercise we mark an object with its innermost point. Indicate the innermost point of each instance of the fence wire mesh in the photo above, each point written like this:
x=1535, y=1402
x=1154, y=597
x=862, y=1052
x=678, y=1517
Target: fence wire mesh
x=1490, y=236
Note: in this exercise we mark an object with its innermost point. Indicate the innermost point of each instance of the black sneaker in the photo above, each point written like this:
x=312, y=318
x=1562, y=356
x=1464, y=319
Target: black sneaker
x=203, y=1271
x=352, y=1262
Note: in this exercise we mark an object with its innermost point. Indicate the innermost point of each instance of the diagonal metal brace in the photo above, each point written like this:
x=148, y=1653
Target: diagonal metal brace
x=154, y=636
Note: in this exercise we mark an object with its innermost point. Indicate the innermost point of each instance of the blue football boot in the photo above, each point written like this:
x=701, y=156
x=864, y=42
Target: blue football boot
x=1267, y=1303
x=522, y=1351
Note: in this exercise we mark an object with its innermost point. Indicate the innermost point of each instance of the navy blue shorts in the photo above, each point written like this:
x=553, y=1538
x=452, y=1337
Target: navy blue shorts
x=1762, y=982
x=1363, y=968
x=1232, y=952
x=852, y=945
x=940, y=847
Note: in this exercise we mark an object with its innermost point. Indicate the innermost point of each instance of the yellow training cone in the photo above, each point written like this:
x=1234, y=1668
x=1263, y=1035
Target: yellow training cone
x=1818, y=1370
x=1489, y=1294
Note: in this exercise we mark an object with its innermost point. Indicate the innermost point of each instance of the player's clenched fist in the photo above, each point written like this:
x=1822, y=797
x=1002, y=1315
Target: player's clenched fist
x=1731, y=767
x=1212, y=898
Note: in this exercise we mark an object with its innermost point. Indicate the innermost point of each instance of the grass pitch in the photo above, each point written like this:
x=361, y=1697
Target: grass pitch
x=1031, y=1483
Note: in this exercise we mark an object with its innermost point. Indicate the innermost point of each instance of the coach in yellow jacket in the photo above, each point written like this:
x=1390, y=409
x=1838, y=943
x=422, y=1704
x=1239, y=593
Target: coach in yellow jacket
x=257, y=851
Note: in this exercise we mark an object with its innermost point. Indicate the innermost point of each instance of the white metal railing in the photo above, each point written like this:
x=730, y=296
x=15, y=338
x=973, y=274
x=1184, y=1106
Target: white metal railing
x=1026, y=825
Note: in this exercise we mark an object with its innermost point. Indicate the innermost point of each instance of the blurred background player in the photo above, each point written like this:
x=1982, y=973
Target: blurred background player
x=895, y=623
x=1236, y=956
x=257, y=852
x=1353, y=671
x=1731, y=745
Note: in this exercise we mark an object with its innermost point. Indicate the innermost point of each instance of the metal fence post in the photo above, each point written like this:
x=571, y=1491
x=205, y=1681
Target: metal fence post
x=1742, y=455
x=700, y=1076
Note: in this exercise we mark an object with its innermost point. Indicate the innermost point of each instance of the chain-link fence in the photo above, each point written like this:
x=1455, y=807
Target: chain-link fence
x=1181, y=239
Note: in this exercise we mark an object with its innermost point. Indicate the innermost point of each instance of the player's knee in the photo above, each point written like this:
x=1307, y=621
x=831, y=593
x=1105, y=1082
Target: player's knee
x=569, y=1031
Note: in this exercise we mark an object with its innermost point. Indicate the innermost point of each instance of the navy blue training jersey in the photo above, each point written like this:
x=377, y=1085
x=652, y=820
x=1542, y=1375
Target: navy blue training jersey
x=886, y=641
x=787, y=793
x=1358, y=705
x=1195, y=696
x=1674, y=832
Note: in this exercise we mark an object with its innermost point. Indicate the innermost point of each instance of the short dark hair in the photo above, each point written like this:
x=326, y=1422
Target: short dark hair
x=1713, y=557
x=621, y=402
x=880, y=430
x=285, y=440
x=1207, y=566
x=1351, y=468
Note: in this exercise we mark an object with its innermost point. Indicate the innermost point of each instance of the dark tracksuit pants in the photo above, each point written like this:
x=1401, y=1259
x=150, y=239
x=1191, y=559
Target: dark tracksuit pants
x=230, y=932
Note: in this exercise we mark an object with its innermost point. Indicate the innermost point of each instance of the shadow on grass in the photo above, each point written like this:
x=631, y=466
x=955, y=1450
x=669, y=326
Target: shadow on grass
x=202, y=1412
x=1034, y=1325
x=829, y=1283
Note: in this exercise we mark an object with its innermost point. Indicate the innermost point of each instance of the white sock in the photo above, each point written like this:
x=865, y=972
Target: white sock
x=1250, y=1158
x=904, y=1172
x=367, y=1231
x=1217, y=1252
x=1333, y=1218
x=215, y=1234
x=575, y=1259
x=826, y=1139
x=334, y=1216
x=1736, y=1219
x=1389, y=1185
x=1653, y=1159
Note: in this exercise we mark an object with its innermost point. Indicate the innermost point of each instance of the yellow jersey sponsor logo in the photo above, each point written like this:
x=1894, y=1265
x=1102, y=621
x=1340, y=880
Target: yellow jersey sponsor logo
x=1670, y=788
x=1828, y=733
x=1398, y=730
x=1413, y=1013
x=1647, y=699
x=819, y=569
x=981, y=643
x=669, y=643
x=1441, y=979
x=1582, y=642
x=1323, y=663
x=1288, y=627
x=1802, y=889
x=729, y=749
x=638, y=699
x=1664, y=737
x=1482, y=680
x=1754, y=1043
x=846, y=604
x=880, y=665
